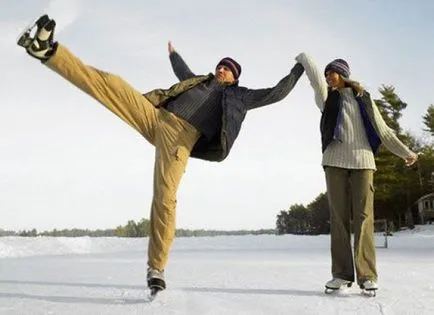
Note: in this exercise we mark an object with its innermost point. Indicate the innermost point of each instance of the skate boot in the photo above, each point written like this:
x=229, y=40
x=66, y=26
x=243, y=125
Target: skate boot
x=39, y=45
x=337, y=284
x=156, y=282
x=369, y=288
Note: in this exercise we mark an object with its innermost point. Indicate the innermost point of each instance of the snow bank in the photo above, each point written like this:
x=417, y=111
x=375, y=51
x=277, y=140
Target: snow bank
x=42, y=246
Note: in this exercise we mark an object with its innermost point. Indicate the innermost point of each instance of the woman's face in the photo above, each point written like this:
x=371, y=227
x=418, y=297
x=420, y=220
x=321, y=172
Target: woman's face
x=334, y=80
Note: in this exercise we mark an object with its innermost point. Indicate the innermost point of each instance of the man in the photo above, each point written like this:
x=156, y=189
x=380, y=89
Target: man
x=200, y=117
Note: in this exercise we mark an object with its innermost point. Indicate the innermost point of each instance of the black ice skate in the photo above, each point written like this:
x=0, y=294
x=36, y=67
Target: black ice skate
x=37, y=38
x=156, y=282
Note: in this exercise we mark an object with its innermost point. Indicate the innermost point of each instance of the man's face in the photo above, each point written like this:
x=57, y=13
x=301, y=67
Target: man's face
x=224, y=75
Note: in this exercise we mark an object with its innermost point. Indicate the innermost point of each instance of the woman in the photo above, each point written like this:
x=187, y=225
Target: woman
x=352, y=129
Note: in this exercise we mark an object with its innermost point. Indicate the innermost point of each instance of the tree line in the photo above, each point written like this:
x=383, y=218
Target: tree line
x=397, y=187
x=131, y=229
x=141, y=229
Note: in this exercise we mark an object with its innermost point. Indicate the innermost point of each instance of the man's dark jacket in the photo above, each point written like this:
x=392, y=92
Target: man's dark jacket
x=235, y=102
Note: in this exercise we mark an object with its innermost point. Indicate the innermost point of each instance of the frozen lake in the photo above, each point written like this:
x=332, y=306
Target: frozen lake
x=209, y=275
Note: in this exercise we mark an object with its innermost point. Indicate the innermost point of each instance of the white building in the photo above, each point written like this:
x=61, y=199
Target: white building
x=425, y=206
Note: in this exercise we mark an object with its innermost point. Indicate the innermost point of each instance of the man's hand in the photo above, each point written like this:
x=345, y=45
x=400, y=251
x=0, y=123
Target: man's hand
x=411, y=159
x=170, y=48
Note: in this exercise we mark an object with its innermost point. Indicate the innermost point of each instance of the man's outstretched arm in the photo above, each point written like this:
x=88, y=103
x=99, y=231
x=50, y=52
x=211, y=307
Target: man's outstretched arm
x=182, y=71
x=261, y=97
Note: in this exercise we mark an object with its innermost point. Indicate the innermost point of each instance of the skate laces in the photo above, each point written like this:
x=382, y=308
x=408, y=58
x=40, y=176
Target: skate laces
x=155, y=273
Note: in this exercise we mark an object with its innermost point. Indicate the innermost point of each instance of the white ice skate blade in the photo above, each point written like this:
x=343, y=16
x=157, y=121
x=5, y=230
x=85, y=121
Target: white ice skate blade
x=27, y=35
x=369, y=293
x=157, y=295
x=343, y=292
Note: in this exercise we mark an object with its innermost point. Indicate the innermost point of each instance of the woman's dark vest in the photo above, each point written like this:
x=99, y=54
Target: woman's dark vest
x=332, y=117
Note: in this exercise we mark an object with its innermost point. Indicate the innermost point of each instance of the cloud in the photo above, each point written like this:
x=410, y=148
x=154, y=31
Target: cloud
x=65, y=12
x=9, y=31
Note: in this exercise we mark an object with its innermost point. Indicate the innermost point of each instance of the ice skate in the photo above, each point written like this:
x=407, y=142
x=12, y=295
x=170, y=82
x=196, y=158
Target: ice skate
x=37, y=38
x=337, y=284
x=156, y=282
x=369, y=288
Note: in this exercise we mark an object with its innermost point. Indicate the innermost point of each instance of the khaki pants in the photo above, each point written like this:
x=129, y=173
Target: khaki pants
x=351, y=190
x=172, y=137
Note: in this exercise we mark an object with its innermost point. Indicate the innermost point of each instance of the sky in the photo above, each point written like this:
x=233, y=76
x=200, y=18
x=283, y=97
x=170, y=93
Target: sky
x=236, y=275
x=68, y=162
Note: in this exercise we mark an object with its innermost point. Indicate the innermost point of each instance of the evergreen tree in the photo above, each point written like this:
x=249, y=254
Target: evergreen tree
x=282, y=223
x=320, y=215
x=296, y=220
x=392, y=179
x=391, y=107
x=143, y=228
x=428, y=120
x=131, y=229
x=299, y=219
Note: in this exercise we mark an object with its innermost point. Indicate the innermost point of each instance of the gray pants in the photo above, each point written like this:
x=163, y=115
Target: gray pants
x=351, y=189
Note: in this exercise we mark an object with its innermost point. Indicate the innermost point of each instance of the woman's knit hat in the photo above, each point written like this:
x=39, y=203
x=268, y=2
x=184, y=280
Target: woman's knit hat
x=339, y=66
